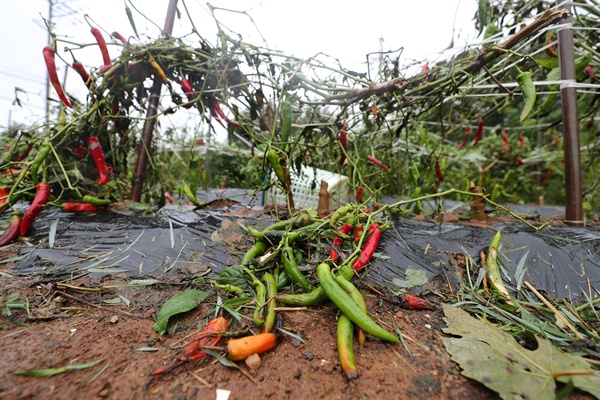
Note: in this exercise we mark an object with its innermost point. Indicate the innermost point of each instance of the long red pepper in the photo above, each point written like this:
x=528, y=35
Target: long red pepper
x=369, y=248
x=24, y=153
x=80, y=69
x=78, y=207
x=98, y=157
x=438, y=171
x=103, y=48
x=120, y=37
x=53, y=75
x=13, y=229
x=522, y=141
x=504, y=139
x=218, y=113
x=479, y=133
x=377, y=162
x=4, y=192
x=343, y=141
x=359, y=194
x=337, y=241
x=414, y=303
x=186, y=85
x=42, y=195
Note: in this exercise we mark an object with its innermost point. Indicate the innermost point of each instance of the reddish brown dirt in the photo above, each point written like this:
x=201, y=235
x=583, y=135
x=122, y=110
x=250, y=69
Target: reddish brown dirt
x=83, y=333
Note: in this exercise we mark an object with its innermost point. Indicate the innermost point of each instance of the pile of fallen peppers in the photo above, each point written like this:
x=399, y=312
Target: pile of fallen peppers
x=305, y=261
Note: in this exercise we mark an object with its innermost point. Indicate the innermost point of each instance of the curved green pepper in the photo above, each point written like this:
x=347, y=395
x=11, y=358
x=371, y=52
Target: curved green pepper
x=345, y=333
x=261, y=292
x=286, y=125
x=258, y=249
x=187, y=190
x=289, y=263
x=96, y=201
x=317, y=295
x=38, y=160
x=273, y=159
x=271, y=287
x=525, y=81
x=350, y=309
x=354, y=293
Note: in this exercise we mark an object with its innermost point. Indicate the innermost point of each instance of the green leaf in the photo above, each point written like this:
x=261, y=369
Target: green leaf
x=52, y=233
x=233, y=275
x=414, y=278
x=229, y=304
x=494, y=358
x=548, y=63
x=221, y=359
x=38, y=373
x=179, y=303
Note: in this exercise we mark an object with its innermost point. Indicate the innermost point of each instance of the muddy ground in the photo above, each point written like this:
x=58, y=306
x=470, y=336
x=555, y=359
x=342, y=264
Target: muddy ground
x=70, y=325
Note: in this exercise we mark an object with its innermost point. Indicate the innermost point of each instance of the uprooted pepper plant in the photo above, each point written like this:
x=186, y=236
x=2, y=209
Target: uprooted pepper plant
x=473, y=128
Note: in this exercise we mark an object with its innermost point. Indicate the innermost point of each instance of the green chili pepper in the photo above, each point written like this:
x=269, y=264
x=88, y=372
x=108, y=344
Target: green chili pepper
x=258, y=249
x=525, y=82
x=271, y=286
x=281, y=278
x=261, y=292
x=273, y=159
x=354, y=293
x=230, y=288
x=38, y=160
x=491, y=264
x=339, y=213
x=350, y=309
x=286, y=125
x=187, y=190
x=289, y=263
x=317, y=295
x=131, y=21
x=345, y=333
x=96, y=201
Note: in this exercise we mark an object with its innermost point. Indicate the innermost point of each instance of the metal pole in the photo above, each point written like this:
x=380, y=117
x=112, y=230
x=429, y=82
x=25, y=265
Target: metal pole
x=568, y=93
x=148, y=130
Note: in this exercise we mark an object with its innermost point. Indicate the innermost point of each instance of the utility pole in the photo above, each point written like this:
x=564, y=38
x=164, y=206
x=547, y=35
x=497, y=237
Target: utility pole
x=568, y=94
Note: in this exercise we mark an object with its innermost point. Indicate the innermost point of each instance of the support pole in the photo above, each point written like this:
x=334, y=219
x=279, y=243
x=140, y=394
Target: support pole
x=568, y=94
x=150, y=122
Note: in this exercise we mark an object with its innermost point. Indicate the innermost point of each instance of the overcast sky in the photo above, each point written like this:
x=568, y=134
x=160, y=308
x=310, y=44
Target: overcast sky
x=346, y=30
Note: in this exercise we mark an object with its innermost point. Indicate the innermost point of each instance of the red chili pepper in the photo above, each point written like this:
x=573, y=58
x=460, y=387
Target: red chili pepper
x=522, y=141
x=461, y=145
x=358, y=231
x=103, y=49
x=414, y=303
x=42, y=195
x=208, y=337
x=479, y=133
x=589, y=71
x=504, y=139
x=218, y=113
x=377, y=162
x=78, y=207
x=4, y=192
x=98, y=156
x=550, y=49
x=53, y=75
x=24, y=153
x=519, y=161
x=343, y=141
x=11, y=171
x=169, y=198
x=337, y=241
x=80, y=150
x=186, y=85
x=13, y=229
x=438, y=171
x=359, y=194
x=547, y=175
x=369, y=248
x=80, y=69
x=468, y=131
x=425, y=68
x=119, y=37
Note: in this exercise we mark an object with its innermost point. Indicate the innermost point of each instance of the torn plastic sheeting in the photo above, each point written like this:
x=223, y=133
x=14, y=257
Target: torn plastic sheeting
x=122, y=242
x=560, y=259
